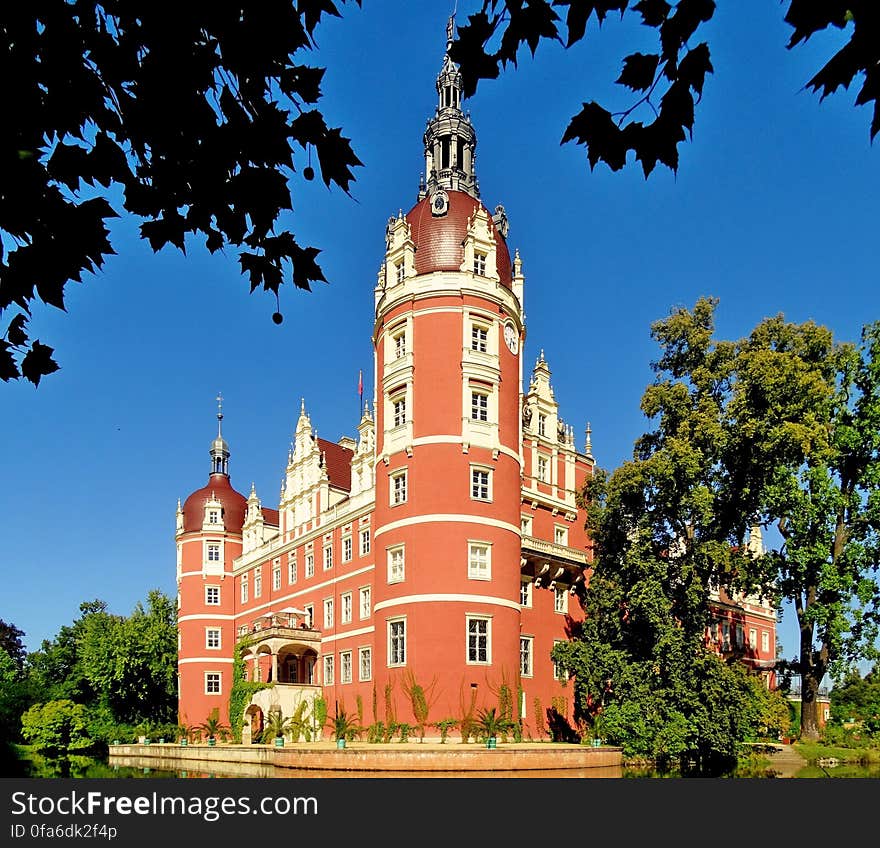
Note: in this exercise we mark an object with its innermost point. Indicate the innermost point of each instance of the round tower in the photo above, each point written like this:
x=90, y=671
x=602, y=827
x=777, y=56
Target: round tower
x=209, y=538
x=447, y=336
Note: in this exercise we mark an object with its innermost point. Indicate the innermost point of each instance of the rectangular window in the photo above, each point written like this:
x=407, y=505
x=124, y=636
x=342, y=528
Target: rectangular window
x=346, y=549
x=345, y=612
x=328, y=670
x=328, y=558
x=398, y=410
x=291, y=569
x=765, y=641
x=399, y=339
x=480, y=490
x=213, y=553
x=365, y=663
x=212, y=637
x=480, y=264
x=244, y=589
x=753, y=638
x=477, y=640
x=525, y=655
x=310, y=565
x=560, y=599
x=309, y=610
x=479, y=561
x=212, y=596
x=396, y=564
x=560, y=535
x=725, y=636
x=345, y=667
x=525, y=593
x=276, y=578
x=398, y=487
x=542, y=424
x=400, y=272
x=365, y=542
x=479, y=406
x=558, y=670
x=479, y=338
x=366, y=602
x=397, y=642
x=525, y=525
x=328, y=613
x=739, y=636
x=258, y=582
x=212, y=682
x=213, y=516
x=542, y=469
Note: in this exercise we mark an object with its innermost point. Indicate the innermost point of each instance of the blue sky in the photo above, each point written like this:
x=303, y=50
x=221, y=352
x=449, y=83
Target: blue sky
x=772, y=210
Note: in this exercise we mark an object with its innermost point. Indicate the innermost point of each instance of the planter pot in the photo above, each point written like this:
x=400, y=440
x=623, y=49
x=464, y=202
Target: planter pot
x=279, y=741
x=491, y=742
x=596, y=743
x=212, y=741
x=340, y=743
x=146, y=741
x=183, y=743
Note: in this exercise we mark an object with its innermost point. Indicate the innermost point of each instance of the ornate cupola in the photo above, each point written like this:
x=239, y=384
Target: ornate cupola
x=219, y=448
x=450, y=140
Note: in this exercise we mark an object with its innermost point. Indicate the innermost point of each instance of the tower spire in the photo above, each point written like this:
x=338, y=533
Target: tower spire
x=219, y=448
x=450, y=140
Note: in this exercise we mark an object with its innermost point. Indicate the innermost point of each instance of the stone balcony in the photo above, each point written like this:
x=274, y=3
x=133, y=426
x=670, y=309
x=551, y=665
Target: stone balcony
x=275, y=629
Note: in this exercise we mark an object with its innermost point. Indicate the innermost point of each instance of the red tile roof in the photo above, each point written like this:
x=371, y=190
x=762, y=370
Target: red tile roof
x=439, y=239
x=234, y=505
x=338, y=461
x=270, y=516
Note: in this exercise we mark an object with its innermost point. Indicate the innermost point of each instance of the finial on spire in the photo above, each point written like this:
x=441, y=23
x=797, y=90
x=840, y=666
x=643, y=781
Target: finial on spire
x=219, y=400
x=588, y=445
x=450, y=30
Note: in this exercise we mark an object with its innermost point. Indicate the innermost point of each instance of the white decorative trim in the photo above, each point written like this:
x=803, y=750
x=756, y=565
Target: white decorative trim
x=447, y=517
x=201, y=573
x=337, y=636
x=206, y=616
x=448, y=598
x=209, y=660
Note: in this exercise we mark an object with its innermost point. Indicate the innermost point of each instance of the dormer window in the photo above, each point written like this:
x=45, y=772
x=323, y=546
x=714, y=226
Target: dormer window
x=400, y=271
x=480, y=264
x=213, y=516
x=542, y=425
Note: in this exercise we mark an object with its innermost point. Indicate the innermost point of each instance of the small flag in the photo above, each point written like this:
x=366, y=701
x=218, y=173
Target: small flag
x=361, y=383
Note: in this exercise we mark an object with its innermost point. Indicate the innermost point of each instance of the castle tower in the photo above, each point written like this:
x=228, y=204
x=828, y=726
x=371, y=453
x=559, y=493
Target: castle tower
x=209, y=538
x=447, y=333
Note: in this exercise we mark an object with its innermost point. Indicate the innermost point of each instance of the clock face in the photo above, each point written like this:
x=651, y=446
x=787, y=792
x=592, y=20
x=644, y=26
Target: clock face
x=511, y=338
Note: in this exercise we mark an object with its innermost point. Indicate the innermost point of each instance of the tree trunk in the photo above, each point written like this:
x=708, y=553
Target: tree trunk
x=809, y=706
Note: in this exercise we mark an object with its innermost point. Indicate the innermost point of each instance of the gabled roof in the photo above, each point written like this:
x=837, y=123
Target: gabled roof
x=338, y=461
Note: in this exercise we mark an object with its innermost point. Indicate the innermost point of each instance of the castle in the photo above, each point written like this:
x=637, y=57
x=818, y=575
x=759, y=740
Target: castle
x=443, y=547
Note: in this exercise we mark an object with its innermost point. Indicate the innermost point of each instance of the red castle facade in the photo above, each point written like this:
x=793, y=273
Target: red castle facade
x=444, y=545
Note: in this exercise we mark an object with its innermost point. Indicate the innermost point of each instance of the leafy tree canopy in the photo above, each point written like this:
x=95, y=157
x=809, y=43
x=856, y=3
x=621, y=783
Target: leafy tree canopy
x=191, y=124
x=10, y=642
x=665, y=85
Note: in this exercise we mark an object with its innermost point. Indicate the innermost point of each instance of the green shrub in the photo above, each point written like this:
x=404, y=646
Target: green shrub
x=56, y=727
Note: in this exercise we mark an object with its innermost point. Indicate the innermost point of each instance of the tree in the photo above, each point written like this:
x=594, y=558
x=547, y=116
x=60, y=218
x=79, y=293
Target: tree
x=87, y=133
x=56, y=727
x=858, y=698
x=667, y=85
x=10, y=641
x=780, y=427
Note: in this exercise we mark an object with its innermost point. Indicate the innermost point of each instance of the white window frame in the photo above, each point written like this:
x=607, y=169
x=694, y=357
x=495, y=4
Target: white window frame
x=479, y=405
x=213, y=552
x=396, y=642
x=765, y=641
x=542, y=470
x=345, y=608
x=365, y=601
x=213, y=516
x=345, y=667
x=328, y=613
x=478, y=639
x=398, y=408
x=753, y=637
x=558, y=672
x=479, y=560
x=291, y=569
x=258, y=581
x=740, y=636
x=347, y=549
x=525, y=594
x=309, y=610
x=365, y=541
x=527, y=656
x=276, y=577
x=398, y=341
x=525, y=525
x=244, y=588
x=328, y=557
x=396, y=560
x=481, y=483
x=480, y=264
x=213, y=683
x=398, y=486
x=212, y=591
x=328, y=670
x=310, y=565
x=560, y=599
x=480, y=336
x=365, y=653
x=213, y=634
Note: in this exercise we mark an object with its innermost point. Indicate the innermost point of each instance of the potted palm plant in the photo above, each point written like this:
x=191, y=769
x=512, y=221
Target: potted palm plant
x=276, y=726
x=490, y=723
x=344, y=727
x=212, y=727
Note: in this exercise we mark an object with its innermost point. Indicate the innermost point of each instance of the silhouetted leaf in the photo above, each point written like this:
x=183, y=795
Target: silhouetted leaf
x=653, y=12
x=15, y=331
x=468, y=51
x=594, y=127
x=8, y=368
x=638, y=71
x=38, y=362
